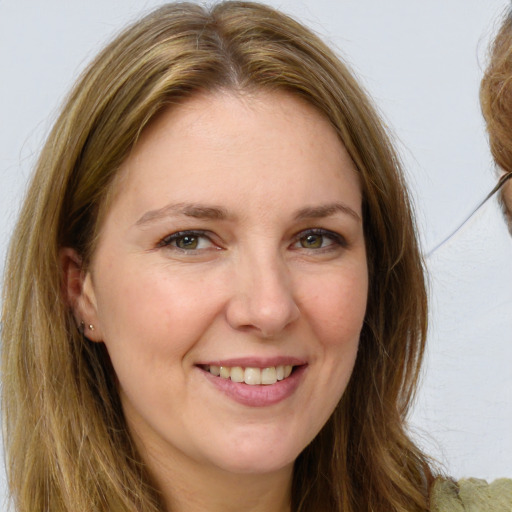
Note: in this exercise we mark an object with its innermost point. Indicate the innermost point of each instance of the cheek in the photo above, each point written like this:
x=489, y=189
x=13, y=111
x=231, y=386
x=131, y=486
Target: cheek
x=140, y=310
x=336, y=312
x=336, y=315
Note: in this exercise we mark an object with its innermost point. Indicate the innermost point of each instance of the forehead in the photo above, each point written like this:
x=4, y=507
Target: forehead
x=210, y=117
x=227, y=144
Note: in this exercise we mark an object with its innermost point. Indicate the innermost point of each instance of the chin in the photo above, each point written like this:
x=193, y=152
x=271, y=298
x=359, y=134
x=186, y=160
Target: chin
x=256, y=467
x=257, y=460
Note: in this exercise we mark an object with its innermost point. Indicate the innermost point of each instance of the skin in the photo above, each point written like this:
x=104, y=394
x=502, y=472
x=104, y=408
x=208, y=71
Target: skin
x=506, y=197
x=255, y=283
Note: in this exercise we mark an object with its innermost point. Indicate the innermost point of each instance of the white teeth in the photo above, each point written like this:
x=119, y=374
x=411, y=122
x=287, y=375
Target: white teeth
x=269, y=375
x=250, y=375
x=237, y=374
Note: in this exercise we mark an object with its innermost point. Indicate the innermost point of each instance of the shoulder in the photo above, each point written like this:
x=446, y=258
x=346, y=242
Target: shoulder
x=471, y=495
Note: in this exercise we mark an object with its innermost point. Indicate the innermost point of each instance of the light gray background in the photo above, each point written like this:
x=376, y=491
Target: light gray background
x=422, y=62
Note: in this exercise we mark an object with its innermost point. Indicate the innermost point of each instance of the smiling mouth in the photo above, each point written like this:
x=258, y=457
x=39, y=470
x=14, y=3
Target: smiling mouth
x=251, y=375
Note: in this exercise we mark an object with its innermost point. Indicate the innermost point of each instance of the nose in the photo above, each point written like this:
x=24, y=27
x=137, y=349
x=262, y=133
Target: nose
x=262, y=300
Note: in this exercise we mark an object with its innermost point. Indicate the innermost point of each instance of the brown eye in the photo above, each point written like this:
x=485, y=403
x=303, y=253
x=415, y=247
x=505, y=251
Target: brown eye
x=312, y=241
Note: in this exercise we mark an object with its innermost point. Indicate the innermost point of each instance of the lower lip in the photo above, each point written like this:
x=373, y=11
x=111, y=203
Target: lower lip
x=259, y=395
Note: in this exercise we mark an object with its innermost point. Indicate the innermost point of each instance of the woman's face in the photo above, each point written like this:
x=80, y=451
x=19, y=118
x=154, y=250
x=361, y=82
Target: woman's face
x=234, y=245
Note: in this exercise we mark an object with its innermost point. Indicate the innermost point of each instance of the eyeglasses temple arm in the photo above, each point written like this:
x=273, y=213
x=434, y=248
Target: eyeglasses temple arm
x=498, y=185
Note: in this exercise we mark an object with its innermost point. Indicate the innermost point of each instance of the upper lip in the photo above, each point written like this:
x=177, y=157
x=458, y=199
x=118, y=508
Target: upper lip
x=255, y=362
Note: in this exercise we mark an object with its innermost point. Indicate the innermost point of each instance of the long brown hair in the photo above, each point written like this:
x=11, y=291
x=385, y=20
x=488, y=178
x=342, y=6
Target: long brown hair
x=67, y=445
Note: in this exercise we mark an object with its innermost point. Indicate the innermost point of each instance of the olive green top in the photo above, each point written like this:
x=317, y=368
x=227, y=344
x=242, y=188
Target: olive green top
x=471, y=495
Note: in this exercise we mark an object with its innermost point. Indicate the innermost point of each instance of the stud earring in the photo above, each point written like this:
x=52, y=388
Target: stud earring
x=82, y=327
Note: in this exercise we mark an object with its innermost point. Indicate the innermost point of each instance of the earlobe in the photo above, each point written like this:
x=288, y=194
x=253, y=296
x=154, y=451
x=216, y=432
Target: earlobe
x=86, y=330
x=78, y=292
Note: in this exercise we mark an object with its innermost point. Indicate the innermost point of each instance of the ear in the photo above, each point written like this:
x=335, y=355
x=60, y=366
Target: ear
x=78, y=291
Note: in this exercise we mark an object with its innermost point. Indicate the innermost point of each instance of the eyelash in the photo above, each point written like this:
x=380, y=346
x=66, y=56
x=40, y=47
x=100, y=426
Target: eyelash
x=336, y=239
x=174, y=237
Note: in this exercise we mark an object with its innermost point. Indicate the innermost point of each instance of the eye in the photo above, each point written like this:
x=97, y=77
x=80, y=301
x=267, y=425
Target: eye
x=312, y=241
x=319, y=239
x=187, y=241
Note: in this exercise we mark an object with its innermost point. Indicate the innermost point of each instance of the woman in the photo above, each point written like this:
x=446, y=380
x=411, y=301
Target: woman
x=214, y=296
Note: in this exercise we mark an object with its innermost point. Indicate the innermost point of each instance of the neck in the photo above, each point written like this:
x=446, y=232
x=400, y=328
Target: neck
x=188, y=486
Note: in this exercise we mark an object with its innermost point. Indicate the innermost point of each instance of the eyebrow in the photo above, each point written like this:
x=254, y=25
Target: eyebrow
x=319, y=212
x=196, y=211
x=199, y=211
